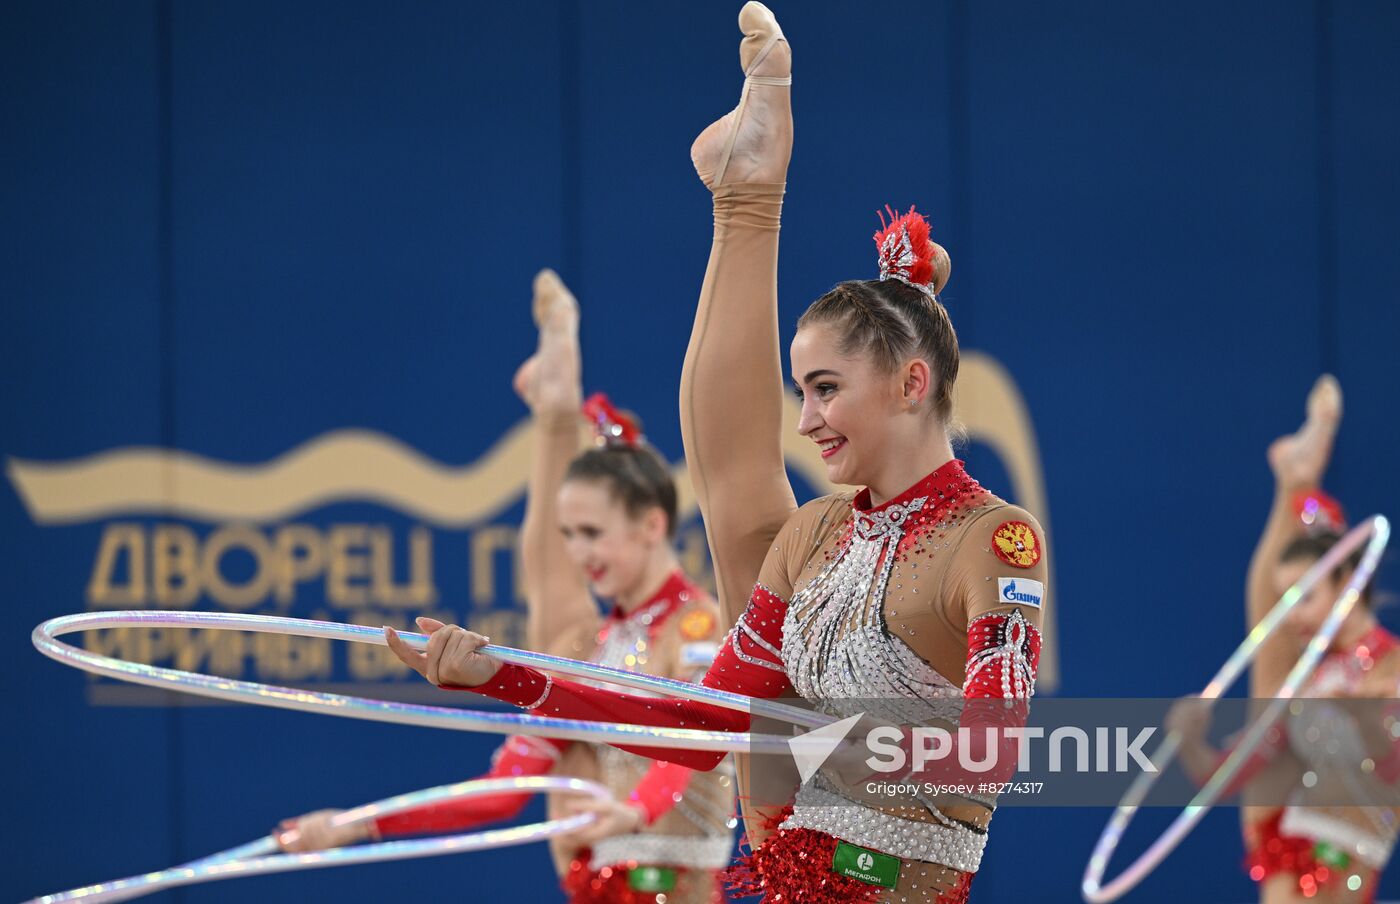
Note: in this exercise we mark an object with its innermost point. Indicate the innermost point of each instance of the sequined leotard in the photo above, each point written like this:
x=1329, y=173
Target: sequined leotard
x=1316, y=845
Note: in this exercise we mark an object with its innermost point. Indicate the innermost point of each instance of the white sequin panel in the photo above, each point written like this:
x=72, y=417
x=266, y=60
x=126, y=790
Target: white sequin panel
x=663, y=850
x=1326, y=736
x=840, y=655
x=709, y=801
x=1317, y=825
x=837, y=649
x=627, y=646
x=951, y=845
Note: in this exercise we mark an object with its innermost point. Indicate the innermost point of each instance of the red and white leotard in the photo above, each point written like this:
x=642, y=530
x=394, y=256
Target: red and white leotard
x=1290, y=838
x=916, y=606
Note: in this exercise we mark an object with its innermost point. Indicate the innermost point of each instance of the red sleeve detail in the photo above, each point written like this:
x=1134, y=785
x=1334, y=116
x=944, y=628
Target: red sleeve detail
x=743, y=666
x=660, y=789
x=516, y=757
x=1003, y=653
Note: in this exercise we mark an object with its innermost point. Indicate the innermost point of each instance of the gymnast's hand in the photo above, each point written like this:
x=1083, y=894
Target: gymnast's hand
x=452, y=659
x=614, y=818
x=1190, y=717
x=314, y=832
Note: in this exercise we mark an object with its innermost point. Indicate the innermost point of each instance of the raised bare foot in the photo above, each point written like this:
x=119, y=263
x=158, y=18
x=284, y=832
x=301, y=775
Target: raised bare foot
x=762, y=145
x=554, y=307
x=1301, y=459
x=550, y=380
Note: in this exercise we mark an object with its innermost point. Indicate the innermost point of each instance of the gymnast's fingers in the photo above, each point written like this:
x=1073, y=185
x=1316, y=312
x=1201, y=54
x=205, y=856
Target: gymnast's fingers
x=305, y=833
x=438, y=643
x=460, y=658
x=406, y=654
x=463, y=665
x=573, y=805
x=455, y=657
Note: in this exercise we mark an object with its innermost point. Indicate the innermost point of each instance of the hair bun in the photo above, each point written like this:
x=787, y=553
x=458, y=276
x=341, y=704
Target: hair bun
x=907, y=254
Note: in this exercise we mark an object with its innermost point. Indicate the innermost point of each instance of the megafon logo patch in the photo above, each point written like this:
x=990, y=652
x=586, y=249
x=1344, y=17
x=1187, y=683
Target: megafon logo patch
x=1022, y=591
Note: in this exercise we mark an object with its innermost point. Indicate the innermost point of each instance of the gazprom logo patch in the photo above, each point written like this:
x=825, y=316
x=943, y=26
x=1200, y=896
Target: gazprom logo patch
x=1020, y=590
x=700, y=654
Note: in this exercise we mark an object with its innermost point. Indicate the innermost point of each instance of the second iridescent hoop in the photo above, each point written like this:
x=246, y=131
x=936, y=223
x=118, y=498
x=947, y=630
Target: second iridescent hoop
x=262, y=857
x=1374, y=533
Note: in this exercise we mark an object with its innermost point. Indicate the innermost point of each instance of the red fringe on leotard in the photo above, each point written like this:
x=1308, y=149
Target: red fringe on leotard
x=1291, y=855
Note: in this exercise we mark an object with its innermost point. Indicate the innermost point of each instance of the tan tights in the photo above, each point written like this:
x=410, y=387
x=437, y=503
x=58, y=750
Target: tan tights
x=732, y=391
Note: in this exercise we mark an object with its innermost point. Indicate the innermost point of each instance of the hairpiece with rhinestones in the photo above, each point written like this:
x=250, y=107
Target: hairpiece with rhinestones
x=1319, y=512
x=906, y=252
x=611, y=427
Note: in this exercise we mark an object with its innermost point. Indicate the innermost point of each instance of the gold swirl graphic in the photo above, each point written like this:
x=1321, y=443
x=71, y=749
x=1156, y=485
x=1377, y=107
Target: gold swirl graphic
x=345, y=465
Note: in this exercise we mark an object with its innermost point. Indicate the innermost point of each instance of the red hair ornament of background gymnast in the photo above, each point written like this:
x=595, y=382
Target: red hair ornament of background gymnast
x=611, y=426
x=1319, y=512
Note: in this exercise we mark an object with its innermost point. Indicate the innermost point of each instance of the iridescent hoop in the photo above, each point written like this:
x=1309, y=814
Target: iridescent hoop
x=1377, y=529
x=44, y=638
x=261, y=857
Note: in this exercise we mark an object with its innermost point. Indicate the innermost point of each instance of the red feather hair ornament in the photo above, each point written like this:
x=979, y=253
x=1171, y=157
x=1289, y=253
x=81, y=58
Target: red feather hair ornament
x=906, y=252
x=610, y=425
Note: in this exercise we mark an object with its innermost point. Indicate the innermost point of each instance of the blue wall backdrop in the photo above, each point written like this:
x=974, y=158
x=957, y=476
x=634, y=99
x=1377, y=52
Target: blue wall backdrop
x=234, y=229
